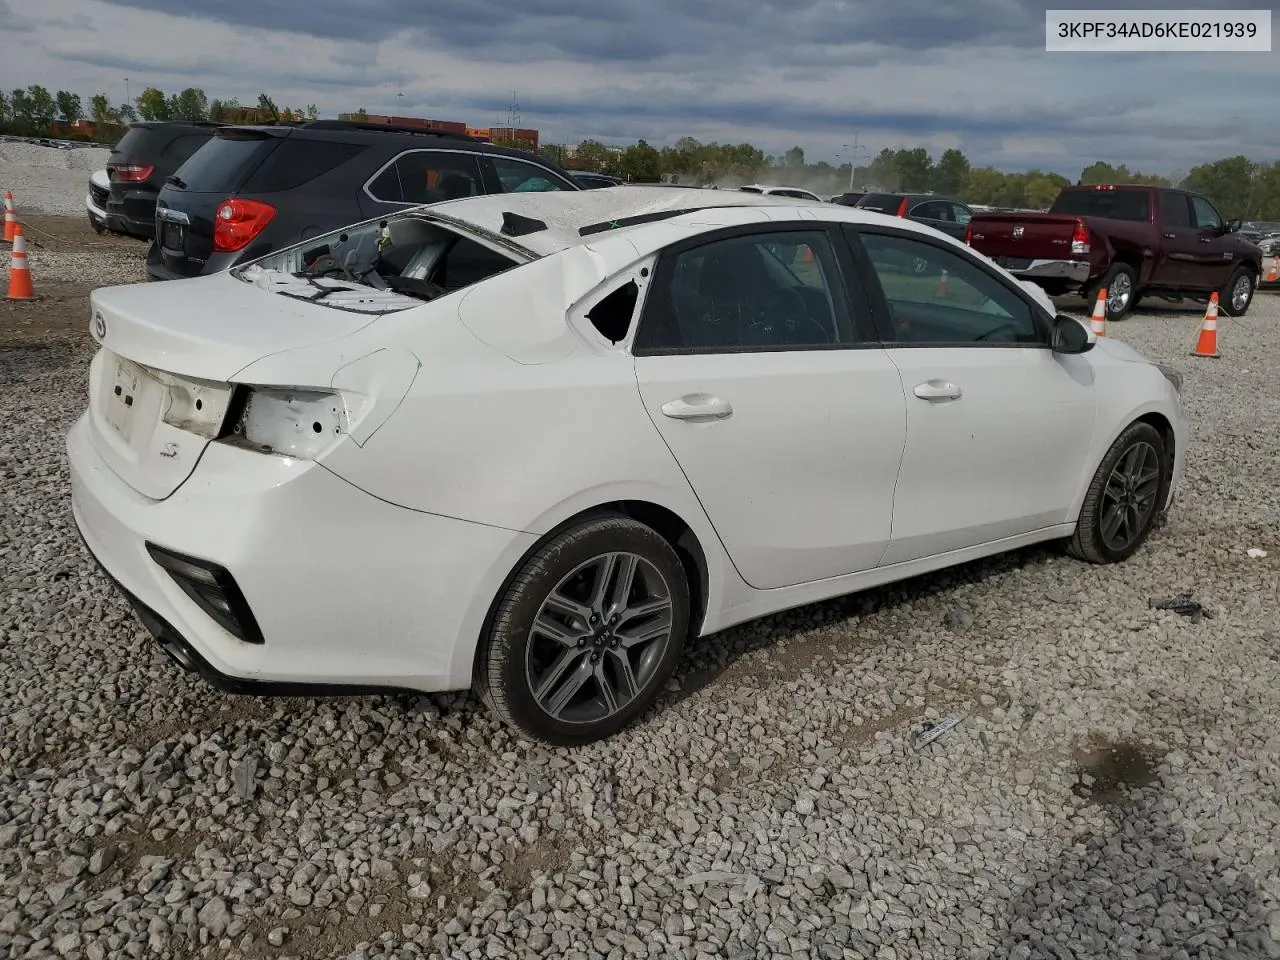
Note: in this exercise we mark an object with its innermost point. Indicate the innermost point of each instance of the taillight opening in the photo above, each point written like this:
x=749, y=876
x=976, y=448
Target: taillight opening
x=1080, y=239
x=238, y=222
x=902, y=207
x=131, y=172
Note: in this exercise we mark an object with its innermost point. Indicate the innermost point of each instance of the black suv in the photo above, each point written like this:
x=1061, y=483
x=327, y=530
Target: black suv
x=139, y=165
x=942, y=213
x=254, y=189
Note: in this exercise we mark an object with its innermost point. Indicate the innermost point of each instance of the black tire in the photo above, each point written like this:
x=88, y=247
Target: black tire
x=1090, y=542
x=505, y=668
x=1227, y=293
x=1114, y=311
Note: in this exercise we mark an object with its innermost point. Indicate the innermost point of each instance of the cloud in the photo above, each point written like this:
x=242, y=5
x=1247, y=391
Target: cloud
x=773, y=73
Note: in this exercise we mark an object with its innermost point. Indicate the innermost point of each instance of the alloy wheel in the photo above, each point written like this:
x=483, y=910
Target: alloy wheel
x=1241, y=293
x=1129, y=498
x=598, y=638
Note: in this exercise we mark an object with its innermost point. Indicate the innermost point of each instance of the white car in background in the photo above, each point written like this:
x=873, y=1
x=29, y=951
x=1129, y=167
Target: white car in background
x=95, y=201
x=536, y=443
x=795, y=193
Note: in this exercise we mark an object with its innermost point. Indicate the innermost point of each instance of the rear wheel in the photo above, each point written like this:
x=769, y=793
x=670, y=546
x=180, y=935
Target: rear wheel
x=587, y=633
x=1237, y=295
x=1123, y=499
x=1121, y=283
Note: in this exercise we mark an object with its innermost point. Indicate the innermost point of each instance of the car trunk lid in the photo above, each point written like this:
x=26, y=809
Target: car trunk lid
x=161, y=387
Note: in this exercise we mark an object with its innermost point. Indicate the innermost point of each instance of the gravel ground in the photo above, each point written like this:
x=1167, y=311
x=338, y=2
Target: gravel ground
x=1112, y=791
x=47, y=180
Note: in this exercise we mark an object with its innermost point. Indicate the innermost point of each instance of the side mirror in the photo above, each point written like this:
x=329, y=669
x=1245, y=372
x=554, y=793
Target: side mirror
x=1233, y=226
x=1071, y=335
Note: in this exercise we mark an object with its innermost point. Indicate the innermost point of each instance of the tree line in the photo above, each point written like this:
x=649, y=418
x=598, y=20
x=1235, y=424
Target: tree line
x=1238, y=186
x=36, y=112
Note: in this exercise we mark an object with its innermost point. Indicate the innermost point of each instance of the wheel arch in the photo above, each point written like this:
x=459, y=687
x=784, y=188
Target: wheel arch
x=1163, y=425
x=662, y=519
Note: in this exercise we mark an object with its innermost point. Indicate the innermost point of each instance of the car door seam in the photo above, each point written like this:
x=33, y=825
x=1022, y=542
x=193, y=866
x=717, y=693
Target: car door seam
x=902, y=454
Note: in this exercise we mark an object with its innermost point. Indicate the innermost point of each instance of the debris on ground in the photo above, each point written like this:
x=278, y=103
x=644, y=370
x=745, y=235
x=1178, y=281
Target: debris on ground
x=1257, y=553
x=938, y=729
x=1183, y=605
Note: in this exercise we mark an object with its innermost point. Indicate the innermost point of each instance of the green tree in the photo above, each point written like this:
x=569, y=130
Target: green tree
x=152, y=104
x=594, y=155
x=312, y=112
x=69, y=106
x=642, y=163
x=43, y=107
x=1039, y=190
x=951, y=173
x=1230, y=183
x=217, y=110
x=190, y=104
x=915, y=168
x=793, y=160
x=125, y=113
x=100, y=111
x=4, y=109
x=268, y=106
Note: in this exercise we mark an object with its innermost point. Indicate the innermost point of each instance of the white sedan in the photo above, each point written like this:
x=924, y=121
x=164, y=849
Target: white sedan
x=536, y=443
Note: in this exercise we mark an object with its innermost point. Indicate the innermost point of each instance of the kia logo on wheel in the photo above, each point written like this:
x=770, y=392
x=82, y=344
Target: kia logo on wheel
x=99, y=326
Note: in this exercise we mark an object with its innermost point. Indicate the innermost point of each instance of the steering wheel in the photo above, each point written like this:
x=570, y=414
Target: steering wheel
x=784, y=311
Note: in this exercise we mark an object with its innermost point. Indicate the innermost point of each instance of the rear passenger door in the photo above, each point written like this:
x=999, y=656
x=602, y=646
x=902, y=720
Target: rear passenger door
x=422, y=176
x=756, y=362
x=1179, y=242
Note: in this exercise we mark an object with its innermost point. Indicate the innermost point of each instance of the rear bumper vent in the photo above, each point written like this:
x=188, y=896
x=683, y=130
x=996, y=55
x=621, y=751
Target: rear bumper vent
x=212, y=589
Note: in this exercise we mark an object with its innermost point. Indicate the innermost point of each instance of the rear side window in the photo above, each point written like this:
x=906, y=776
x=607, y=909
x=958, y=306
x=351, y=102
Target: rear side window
x=881, y=202
x=468, y=262
x=297, y=161
x=428, y=176
x=222, y=164
x=1174, y=211
x=516, y=176
x=1134, y=205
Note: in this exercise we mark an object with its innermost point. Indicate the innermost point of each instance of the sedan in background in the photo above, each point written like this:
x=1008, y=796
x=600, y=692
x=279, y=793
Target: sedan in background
x=538, y=443
x=595, y=181
x=942, y=213
x=794, y=193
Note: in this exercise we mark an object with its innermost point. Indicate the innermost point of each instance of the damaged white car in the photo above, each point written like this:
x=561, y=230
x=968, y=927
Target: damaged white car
x=536, y=443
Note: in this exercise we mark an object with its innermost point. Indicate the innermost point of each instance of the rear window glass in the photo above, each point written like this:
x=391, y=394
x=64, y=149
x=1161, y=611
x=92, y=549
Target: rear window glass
x=133, y=143
x=881, y=202
x=298, y=161
x=221, y=165
x=181, y=149
x=1109, y=204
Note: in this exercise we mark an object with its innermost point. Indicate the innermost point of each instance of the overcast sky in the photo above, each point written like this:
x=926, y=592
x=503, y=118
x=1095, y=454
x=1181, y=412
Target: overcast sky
x=972, y=74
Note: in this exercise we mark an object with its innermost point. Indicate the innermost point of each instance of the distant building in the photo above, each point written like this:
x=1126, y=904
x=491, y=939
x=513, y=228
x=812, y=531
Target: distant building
x=523, y=138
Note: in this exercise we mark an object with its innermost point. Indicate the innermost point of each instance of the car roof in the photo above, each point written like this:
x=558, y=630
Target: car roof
x=560, y=216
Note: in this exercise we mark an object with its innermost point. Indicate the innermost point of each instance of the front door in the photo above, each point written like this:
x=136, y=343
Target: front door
x=998, y=426
x=785, y=416
x=1214, y=259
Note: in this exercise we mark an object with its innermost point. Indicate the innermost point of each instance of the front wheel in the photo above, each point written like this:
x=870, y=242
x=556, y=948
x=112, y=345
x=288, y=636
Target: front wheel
x=1123, y=499
x=587, y=632
x=1237, y=295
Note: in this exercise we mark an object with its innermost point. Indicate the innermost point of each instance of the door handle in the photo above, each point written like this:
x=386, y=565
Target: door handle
x=937, y=390
x=1171, y=236
x=697, y=406
x=1206, y=239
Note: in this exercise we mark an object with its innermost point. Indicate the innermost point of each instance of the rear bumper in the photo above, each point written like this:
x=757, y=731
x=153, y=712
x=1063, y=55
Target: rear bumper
x=350, y=593
x=157, y=269
x=1070, y=271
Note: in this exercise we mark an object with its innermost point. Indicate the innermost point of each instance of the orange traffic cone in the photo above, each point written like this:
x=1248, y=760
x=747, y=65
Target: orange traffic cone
x=19, y=271
x=1207, y=344
x=942, y=284
x=1274, y=273
x=1099, y=319
x=10, y=218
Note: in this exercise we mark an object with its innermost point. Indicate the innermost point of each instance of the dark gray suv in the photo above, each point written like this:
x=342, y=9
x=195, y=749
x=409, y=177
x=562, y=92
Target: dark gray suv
x=254, y=189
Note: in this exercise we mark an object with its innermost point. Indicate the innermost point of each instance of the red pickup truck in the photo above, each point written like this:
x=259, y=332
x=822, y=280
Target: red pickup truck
x=1133, y=240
